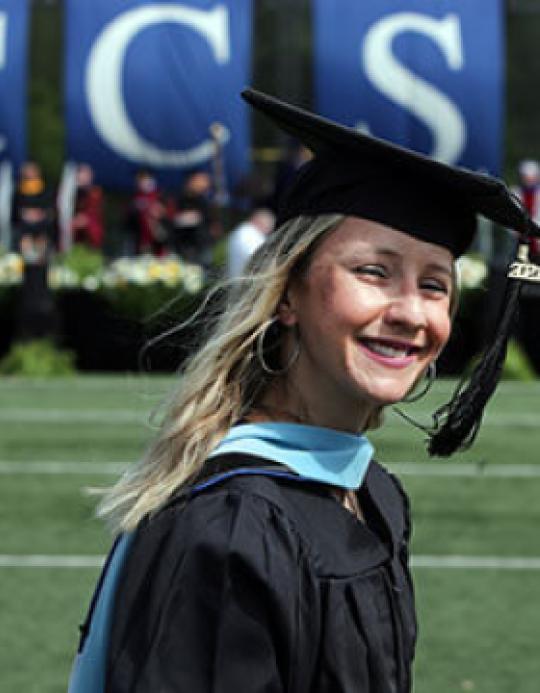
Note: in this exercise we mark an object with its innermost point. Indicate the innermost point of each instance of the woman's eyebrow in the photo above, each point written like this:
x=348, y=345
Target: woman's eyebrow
x=370, y=250
x=388, y=251
x=432, y=266
x=435, y=266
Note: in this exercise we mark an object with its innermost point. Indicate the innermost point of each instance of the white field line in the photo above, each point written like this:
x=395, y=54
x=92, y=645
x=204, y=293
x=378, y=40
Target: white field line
x=418, y=562
x=476, y=562
x=68, y=416
x=516, y=420
x=505, y=471
x=427, y=469
x=50, y=561
x=144, y=384
x=116, y=416
x=68, y=468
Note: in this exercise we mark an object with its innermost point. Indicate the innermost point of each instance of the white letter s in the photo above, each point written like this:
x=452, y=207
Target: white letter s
x=401, y=85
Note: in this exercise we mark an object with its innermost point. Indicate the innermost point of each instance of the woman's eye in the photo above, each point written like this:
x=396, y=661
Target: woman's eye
x=435, y=285
x=372, y=270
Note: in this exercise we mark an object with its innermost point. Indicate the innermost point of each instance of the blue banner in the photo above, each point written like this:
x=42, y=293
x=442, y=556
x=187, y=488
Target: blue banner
x=13, y=79
x=145, y=81
x=427, y=75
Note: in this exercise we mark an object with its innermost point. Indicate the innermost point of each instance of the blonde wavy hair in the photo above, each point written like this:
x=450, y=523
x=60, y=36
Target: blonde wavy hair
x=222, y=380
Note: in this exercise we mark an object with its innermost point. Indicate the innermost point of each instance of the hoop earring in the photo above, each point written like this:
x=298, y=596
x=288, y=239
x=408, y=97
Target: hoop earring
x=260, y=351
x=431, y=374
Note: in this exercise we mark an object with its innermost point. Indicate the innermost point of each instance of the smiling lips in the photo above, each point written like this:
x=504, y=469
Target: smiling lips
x=389, y=352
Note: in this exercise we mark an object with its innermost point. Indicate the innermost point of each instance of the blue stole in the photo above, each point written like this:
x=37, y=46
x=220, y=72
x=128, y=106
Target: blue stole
x=88, y=672
x=320, y=454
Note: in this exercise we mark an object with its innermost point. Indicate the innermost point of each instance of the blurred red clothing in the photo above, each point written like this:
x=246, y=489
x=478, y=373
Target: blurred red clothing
x=150, y=214
x=87, y=223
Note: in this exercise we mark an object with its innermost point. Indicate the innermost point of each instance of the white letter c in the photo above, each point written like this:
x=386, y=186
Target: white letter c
x=104, y=80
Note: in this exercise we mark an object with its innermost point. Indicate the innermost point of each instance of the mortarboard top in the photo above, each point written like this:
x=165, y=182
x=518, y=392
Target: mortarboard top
x=359, y=175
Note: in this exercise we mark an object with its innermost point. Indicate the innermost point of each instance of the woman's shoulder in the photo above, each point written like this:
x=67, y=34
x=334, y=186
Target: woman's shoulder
x=241, y=495
x=236, y=524
x=227, y=501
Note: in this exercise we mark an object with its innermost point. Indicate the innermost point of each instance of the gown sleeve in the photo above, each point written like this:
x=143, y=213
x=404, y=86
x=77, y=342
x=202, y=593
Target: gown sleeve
x=221, y=604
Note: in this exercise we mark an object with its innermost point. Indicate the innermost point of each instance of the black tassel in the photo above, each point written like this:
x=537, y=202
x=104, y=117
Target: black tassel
x=456, y=423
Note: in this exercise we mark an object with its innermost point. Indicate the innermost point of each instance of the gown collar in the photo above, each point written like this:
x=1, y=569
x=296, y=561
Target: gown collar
x=316, y=453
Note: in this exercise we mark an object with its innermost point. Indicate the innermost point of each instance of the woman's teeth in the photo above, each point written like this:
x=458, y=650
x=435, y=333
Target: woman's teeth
x=388, y=350
x=385, y=350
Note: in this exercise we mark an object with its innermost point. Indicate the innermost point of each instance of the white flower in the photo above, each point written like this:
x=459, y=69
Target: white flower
x=60, y=277
x=193, y=278
x=11, y=269
x=146, y=270
x=90, y=283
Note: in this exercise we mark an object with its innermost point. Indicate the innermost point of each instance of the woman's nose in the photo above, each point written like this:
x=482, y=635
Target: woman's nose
x=406, y=310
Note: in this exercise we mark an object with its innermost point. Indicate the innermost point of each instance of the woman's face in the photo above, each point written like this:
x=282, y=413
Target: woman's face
x=372, y=311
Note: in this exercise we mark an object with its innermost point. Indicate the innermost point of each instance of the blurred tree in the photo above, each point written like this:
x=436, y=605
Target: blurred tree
x=523, y=74
x=46, y=128
x=281, y=62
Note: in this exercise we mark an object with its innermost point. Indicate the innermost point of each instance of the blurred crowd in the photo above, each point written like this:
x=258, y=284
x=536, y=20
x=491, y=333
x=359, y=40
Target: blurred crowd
x=37, y=219
x=44, y=219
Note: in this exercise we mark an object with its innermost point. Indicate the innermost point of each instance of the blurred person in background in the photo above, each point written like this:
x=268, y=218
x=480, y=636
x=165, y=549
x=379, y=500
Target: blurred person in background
x=191, y=217
x=259, y=546
x=244, y=240
x=34, y=223
x=33, y=214
x=294, y=156
x=528, y=192
x=147, y=216
x=87, y=223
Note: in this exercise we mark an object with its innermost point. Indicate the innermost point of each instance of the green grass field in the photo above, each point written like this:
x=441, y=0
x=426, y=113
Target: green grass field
x=479, y=626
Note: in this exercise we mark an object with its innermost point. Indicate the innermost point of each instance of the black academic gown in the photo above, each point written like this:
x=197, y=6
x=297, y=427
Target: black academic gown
x=258, y=584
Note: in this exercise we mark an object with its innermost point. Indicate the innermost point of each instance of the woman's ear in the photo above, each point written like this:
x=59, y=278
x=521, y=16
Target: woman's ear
x=285, y=311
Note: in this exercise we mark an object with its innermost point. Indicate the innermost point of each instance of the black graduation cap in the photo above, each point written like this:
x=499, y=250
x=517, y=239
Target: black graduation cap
x=355, y=174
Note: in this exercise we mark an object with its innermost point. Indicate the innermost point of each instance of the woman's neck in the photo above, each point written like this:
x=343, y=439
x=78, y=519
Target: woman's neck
x=263, y=412
x=282, y=402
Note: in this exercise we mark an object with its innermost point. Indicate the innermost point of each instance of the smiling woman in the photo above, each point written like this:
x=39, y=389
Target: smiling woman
x=260, y=547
